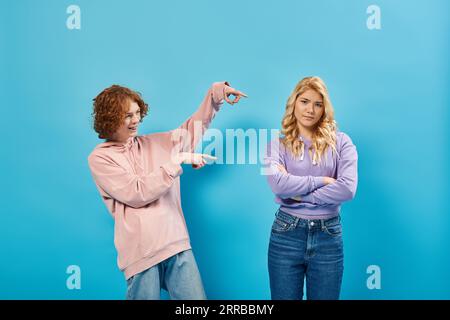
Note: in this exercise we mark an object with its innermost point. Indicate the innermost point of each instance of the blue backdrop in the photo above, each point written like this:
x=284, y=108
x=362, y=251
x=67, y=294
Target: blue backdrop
x=389, y=87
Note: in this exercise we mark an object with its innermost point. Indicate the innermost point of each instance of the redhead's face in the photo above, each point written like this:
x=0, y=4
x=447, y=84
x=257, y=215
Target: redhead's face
x=129, y=127
x=308, y=109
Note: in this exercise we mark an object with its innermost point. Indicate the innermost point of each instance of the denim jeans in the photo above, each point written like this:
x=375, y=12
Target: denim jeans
x=302, y=249
x=178, y=275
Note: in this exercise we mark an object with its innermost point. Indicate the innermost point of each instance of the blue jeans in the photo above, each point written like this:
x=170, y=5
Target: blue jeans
x=311, y=249
x=178, y=275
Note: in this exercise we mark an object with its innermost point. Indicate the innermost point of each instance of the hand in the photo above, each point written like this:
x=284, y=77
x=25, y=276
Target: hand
x=228, y=91
x=281, y=168
x=198, y=160
x=328, y=180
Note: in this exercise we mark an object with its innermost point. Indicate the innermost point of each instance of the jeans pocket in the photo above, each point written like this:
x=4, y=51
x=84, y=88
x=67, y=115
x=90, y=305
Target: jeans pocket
x=334, y=230
x=130, y=288
x=280, y=225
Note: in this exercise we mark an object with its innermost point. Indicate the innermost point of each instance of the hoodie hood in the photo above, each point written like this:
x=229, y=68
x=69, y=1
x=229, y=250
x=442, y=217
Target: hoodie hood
x=120, y=146
x=128, y=149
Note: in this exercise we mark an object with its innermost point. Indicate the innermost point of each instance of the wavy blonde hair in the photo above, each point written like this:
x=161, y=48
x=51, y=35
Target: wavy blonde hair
x=324, y=135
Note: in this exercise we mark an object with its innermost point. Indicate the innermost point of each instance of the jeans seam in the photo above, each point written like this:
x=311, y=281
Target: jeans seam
x=325, y=228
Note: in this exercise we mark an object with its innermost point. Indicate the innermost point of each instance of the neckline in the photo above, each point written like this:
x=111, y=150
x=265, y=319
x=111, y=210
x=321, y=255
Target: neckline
x=120, y=143
x=304, y=139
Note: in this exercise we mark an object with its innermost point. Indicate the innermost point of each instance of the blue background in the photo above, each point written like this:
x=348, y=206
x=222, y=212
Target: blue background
x=389, y=88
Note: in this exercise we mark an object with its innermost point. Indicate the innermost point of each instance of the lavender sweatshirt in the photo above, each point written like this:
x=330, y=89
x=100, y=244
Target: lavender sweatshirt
x=304, y=180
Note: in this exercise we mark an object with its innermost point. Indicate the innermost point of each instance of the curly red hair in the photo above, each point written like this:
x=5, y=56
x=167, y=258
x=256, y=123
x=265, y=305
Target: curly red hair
x=110, y=108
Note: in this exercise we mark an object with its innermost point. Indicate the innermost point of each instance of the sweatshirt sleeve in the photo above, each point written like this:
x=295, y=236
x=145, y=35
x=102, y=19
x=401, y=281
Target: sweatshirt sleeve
x=131, y=189
x=190, y=132
x=286, y=185
x=344, y=188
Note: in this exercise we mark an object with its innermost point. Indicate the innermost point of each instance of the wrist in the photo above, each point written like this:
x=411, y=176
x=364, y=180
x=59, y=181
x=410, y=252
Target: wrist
x=219, y=91
x=180, y=158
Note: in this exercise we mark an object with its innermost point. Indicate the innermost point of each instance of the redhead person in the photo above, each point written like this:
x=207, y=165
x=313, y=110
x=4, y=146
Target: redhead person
x=138, y=177
x=312, y=171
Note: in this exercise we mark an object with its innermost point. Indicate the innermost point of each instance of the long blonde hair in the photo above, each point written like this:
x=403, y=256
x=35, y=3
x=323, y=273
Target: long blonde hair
x=324, y=135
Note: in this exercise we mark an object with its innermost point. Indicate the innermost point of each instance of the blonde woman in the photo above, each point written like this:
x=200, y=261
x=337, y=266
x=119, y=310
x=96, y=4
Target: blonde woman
x=313, y=171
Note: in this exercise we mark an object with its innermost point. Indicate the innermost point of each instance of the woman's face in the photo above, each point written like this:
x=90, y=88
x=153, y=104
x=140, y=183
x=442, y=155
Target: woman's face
x=129, y=127
x=308, y=109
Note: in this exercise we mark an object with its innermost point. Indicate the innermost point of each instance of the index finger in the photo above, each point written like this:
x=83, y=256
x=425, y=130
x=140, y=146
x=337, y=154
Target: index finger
x=209, y=157
x=236, y=92
x=242, y=94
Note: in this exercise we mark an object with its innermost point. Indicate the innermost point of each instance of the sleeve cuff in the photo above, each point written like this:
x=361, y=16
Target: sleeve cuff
x=318, y=182
x=172, y=169
x=307, y=198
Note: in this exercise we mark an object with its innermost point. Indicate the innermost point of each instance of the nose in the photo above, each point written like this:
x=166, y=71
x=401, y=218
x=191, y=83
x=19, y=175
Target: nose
x=309, y=109
x=136, y=119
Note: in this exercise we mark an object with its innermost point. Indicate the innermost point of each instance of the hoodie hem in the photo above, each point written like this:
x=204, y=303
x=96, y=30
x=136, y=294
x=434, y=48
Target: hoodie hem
x=148, y=262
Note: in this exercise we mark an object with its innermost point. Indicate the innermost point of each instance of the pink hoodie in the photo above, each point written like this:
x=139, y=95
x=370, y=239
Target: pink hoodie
x=140, y=186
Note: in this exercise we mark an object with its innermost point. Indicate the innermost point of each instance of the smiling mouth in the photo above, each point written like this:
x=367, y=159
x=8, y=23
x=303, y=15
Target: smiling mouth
x=133, y=128
x=308, y=118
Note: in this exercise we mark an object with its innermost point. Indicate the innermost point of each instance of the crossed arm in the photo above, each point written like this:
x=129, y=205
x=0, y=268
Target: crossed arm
x=318, y=190
x=282, y=183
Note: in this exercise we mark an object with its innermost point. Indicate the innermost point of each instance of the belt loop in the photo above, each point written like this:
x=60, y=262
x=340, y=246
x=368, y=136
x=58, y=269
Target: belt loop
x=322, y=224
x=297, y=219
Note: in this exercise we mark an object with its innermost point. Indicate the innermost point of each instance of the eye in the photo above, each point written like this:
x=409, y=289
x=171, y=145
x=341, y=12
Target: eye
x=318, y=104
x=304, y=101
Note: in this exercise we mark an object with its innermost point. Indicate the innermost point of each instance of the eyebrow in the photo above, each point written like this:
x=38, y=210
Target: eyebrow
x=310, y=100
x=138, y=110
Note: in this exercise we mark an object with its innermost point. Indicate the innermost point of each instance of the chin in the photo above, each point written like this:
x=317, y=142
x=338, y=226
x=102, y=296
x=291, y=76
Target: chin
x=309, y=125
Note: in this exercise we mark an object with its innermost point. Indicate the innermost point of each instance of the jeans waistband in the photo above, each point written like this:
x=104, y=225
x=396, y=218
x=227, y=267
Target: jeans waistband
x=311, y=223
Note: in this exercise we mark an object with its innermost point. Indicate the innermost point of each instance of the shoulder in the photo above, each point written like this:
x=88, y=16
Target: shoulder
x=165, y=139
x=276, y=143
x=343, y=139
x=100, y=156
x=105, y=153
x=345, y=146
x=276, y=148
